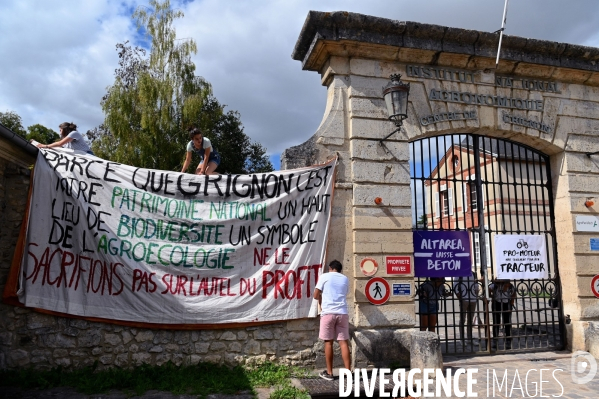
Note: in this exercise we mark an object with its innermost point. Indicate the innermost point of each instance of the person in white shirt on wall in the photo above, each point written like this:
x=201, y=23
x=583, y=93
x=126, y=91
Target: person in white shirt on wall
x=69, y=138
x=210, y=158
x=466, y=289
x=331, y=292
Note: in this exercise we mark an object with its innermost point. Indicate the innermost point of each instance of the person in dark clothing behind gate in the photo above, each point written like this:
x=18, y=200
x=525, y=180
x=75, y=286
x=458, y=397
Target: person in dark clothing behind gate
x=428, y=304
x=208, y=154
x=503, y=295
x=466, y=289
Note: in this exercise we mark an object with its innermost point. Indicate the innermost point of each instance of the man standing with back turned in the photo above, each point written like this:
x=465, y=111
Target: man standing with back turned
x=331, y=291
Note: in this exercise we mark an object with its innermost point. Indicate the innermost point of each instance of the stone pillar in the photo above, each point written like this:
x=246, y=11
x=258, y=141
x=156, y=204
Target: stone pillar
x=425, y=351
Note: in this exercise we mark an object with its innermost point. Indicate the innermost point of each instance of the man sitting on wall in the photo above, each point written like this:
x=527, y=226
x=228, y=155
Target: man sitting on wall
x=331, y=291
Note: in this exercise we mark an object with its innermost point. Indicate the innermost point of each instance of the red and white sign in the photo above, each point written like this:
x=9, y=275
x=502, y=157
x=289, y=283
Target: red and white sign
x=595, y=285
x=377, y=290
x=369, y=267
x=398, y=264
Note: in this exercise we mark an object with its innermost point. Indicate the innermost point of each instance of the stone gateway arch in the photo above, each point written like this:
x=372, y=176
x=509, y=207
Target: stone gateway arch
x=541, y=101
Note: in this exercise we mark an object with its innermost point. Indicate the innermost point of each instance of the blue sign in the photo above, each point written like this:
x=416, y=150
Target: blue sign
x=442, y=254
x=402, y=289
x=594, y=244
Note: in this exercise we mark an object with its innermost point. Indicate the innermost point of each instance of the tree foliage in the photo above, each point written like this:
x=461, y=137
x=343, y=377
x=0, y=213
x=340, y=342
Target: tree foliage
x=37, y=132
x=157, y=96
x=13, y=121
x=42, y=134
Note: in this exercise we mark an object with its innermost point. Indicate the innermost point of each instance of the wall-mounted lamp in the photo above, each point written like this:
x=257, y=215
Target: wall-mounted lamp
x=589, y=202
x=378, y=200
x=396, y=99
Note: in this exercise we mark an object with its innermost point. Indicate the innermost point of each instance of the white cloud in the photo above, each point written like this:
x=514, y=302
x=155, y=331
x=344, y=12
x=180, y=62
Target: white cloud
x=58, y=57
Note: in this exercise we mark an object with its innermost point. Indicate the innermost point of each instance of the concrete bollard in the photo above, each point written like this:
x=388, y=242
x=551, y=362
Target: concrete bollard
x=425, y=352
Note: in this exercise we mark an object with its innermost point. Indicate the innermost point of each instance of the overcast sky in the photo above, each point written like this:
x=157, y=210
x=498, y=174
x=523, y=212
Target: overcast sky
x=57, y=57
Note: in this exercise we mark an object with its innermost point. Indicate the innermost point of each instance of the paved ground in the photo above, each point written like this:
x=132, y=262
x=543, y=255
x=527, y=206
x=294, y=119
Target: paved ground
x=70, y=393
x=522, y=377
x=557, y=377
x=522, y=373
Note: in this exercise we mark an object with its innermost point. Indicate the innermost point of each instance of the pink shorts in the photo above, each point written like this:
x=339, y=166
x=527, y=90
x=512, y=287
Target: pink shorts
x=334, y=326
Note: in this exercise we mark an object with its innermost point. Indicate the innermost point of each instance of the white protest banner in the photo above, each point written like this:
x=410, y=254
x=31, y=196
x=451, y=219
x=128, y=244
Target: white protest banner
x=117, y=242
x=521, y=256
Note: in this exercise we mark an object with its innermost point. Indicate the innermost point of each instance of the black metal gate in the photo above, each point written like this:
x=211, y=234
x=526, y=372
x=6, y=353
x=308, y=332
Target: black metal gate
x=488, y=187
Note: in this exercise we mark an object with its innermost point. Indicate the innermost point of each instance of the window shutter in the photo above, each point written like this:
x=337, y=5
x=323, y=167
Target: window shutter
x=477, y=250
x=437, y=210
x=465, y=199
x=450, y=200
x=488, y=245
x=483, y=190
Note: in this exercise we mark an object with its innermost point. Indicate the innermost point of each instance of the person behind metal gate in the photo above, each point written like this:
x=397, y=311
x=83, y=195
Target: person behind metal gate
x=428, y=305
x=210, y=158
x=503, y=295
x=466, y=289
x=331, y=292
x=69, y=138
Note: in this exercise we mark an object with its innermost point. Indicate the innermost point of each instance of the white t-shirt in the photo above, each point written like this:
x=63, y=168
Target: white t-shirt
x=334, y=287
x=77, y=142
x=205, y=142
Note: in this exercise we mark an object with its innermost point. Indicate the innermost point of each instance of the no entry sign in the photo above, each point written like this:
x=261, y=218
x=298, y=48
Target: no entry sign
x=377, y=290
x=369, y=267
x=595, y=285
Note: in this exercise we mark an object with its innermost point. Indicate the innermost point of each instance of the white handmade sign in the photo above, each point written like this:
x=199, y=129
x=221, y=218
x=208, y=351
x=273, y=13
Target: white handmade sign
x=521, y=256
x=124, y=243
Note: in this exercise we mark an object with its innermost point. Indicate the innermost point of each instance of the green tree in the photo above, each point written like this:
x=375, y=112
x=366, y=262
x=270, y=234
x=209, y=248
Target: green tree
x=156, y=97
x=153, y=98
x=239, y=155
x=422, y=222
x=13, y=121
x=42, y=134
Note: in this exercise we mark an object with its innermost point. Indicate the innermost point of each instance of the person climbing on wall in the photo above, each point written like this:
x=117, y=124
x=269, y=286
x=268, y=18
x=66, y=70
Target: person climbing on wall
x=210, y=158
x=331, y=292
x=69, y=138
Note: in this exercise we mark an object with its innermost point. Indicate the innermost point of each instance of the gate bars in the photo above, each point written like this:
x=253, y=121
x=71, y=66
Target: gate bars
x=487, y=186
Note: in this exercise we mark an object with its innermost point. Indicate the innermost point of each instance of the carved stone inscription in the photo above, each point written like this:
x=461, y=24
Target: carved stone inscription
x=454, y=75
x=517, y=120
x=447, y=116
x=485, y=99
x=526, y=84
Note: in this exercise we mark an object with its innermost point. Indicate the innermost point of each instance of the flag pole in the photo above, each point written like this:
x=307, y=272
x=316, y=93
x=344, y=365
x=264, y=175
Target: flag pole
x=501, y=32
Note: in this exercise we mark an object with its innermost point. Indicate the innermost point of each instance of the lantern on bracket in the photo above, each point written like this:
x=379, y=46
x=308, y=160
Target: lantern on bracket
x=396, y=98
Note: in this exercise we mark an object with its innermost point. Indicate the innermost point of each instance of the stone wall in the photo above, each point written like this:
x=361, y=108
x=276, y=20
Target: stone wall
x=31, y=339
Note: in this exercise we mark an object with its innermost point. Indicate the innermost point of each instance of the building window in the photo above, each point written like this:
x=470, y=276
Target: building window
x=444, y=199
x=456, y=161
x=473, y=196
x=445, y=202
